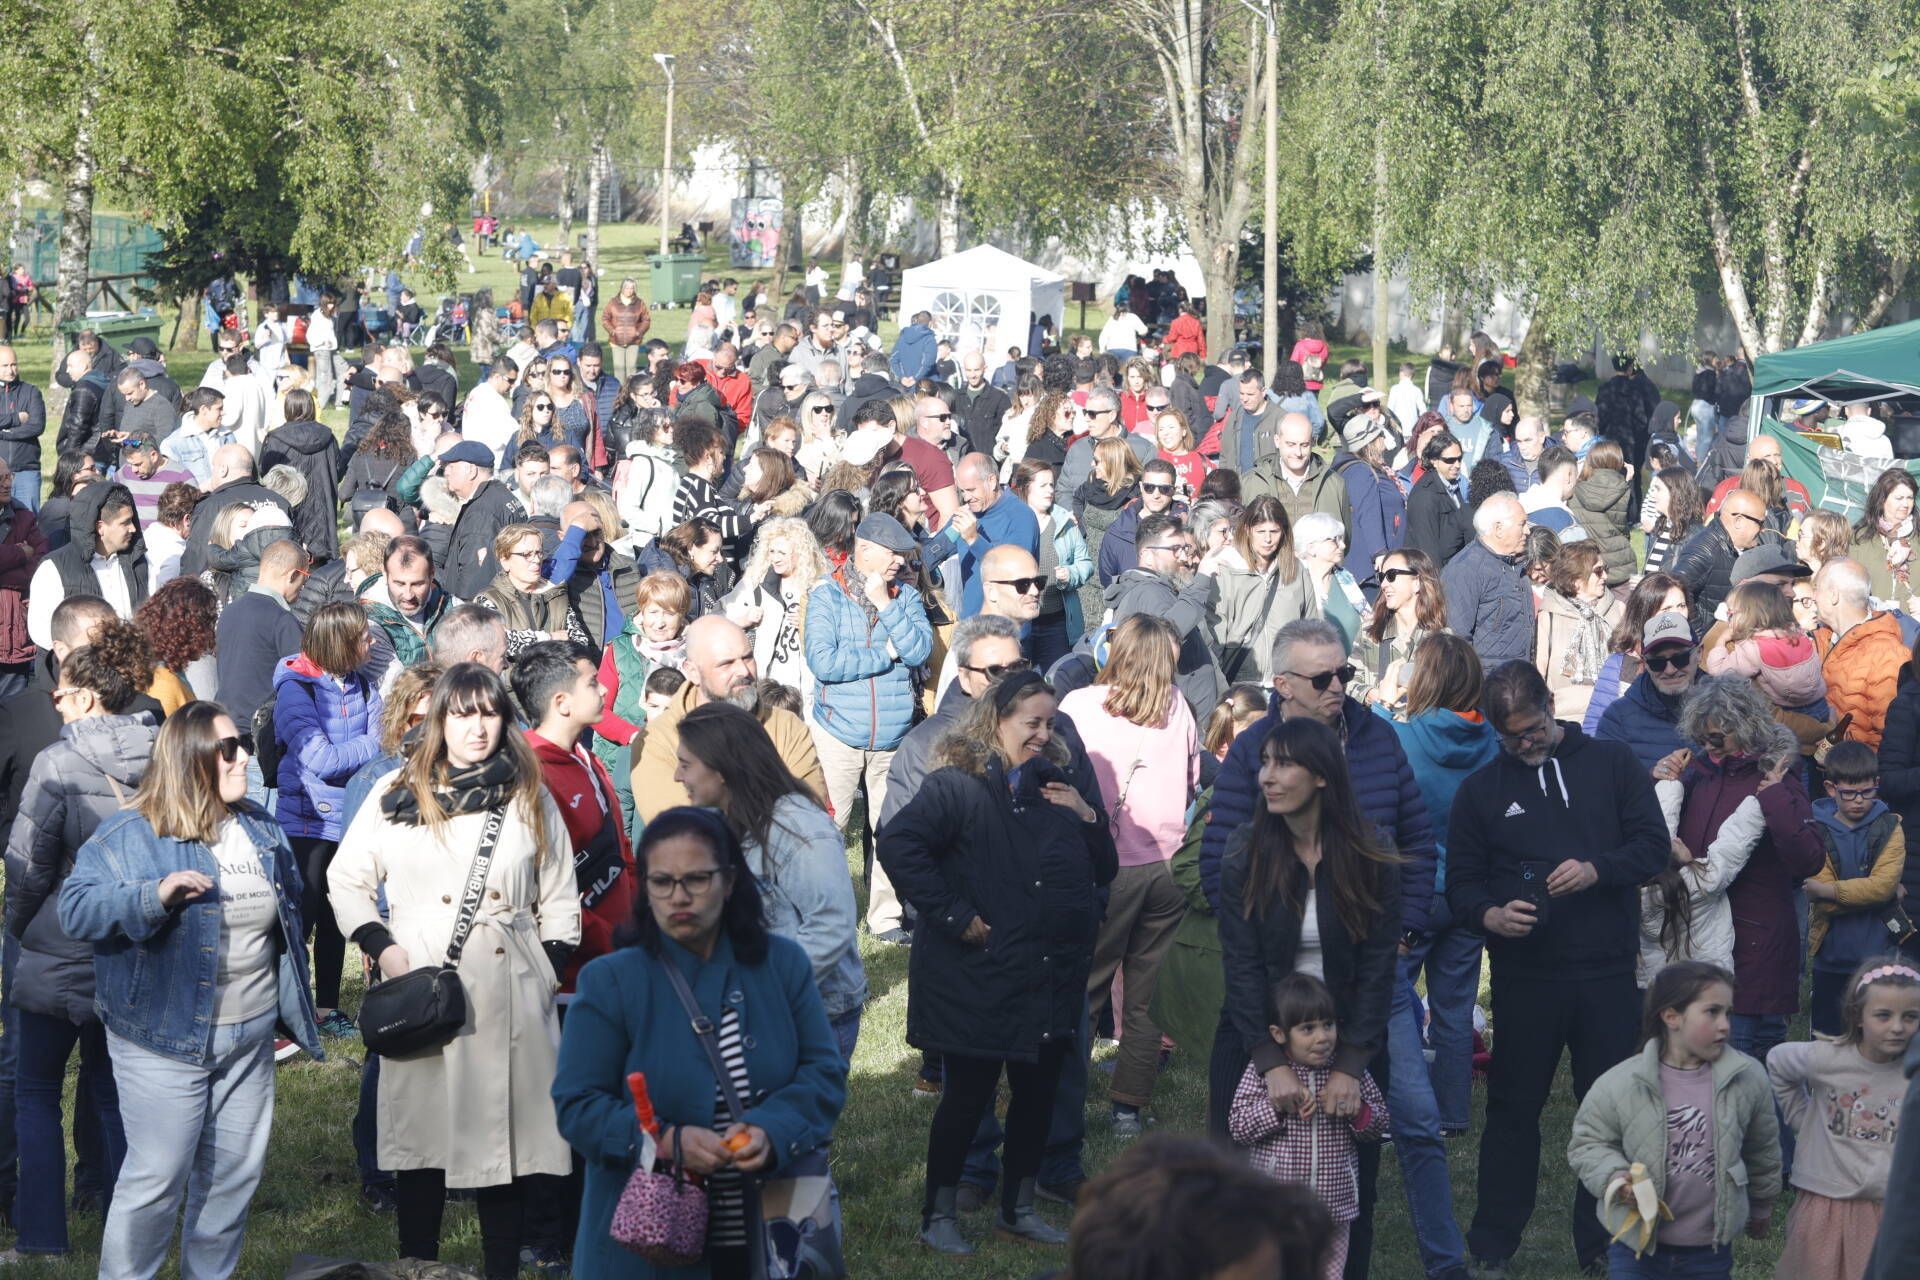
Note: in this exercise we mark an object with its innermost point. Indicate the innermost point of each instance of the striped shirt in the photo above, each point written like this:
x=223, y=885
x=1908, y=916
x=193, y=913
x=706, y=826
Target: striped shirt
x=726, y=1207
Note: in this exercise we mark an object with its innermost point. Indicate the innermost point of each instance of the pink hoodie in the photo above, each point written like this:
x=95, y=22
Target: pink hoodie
x=1783, y=663
x=1157, y=768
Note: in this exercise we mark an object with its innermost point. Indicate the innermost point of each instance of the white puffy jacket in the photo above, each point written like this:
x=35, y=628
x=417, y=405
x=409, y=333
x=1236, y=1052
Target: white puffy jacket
x=1710, y=936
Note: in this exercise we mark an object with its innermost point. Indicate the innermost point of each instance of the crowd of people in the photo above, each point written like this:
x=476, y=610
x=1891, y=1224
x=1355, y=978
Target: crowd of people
x=1234, y=722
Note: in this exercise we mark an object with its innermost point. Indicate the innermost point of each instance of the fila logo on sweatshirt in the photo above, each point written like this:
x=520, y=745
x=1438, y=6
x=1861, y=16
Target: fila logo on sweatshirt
x=1515, y=811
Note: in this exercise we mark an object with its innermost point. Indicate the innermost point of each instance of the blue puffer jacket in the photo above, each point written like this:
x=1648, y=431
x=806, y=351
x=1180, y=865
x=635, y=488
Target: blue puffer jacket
x=863, y=667
x=1490, y=602
x=1383, y=786
x=1645, y=721
x=327, y=728
x=1379, y=521
x=1442, y=748
x=154, y=967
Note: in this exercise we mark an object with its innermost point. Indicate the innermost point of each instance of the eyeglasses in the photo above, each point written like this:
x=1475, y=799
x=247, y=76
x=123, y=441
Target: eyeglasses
x=229, y=748
x=694, y=882
x=1855, y=793
x=1156, y=488
x=1531, y=734
x=1000, y=670
x=1678, y=661
x=559, y=373
x=530, y=554
x=1344, y=674
x=1741, y=515
x=1025, y=586
x=1157, y=408
x=821, y=408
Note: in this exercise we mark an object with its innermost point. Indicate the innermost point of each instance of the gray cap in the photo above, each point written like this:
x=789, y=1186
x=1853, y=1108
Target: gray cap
x=1777, y=558
x=883, y=530
x=1670, y=627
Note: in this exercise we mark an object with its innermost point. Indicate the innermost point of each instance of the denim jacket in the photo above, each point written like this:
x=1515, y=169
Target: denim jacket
x=154, y=967
x=808, y=896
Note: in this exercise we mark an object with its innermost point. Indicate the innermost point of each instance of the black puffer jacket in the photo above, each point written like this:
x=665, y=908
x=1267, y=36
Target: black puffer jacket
x=310, y=449
x=962, y=848
x=69, y=792
x=470, y=565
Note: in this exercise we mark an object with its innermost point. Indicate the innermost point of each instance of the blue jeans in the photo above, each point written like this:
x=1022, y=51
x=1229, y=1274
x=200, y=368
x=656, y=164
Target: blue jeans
x=195, y=1131
x=9, y=1057
x=1671, y=1262
x=366, y=1142
x=1066, y=1128
x=46, y=1043
x=257, y=789
x=846, y=1030
x=26, y=489
x=1415, y=1125
x=1451, y=959
x=1755, y=1034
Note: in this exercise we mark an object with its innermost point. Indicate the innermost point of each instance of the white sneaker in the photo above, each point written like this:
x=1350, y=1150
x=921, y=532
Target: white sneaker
x=283, y=1049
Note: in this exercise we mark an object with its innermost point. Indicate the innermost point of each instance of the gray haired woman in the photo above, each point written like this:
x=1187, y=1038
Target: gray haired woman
x=1731, y=724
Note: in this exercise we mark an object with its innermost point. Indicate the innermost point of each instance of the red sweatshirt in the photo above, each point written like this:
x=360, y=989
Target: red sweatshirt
x=602, y=858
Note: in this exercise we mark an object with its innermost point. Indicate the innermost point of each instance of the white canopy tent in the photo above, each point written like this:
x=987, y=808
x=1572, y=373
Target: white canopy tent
x=983, y=297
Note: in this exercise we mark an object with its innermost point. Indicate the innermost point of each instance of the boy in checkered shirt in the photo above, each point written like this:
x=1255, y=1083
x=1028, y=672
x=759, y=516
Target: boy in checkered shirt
x=1289, y=1128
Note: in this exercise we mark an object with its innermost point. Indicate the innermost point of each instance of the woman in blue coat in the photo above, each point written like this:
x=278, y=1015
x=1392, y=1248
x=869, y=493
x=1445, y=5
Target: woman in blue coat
x=703, y=916
x=326, y=717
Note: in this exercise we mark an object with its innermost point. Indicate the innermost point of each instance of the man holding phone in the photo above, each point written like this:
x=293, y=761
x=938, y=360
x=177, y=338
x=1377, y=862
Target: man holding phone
x=1547, y=847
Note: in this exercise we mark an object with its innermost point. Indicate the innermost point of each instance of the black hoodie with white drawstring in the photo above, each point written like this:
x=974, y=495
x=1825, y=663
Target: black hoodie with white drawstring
x=1591, y=801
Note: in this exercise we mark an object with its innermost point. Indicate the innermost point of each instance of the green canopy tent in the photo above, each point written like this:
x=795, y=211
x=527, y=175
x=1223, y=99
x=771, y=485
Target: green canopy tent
x=1872, y=365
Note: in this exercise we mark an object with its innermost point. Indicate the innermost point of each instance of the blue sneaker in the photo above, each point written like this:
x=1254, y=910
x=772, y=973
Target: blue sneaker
x=338, y=1025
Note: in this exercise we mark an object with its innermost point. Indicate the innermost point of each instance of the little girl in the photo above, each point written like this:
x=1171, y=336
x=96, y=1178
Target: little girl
x=1765, y=644
x=1843, y=1098
x=1302, y=1143
x=1684, y=914
x=1690, y=1115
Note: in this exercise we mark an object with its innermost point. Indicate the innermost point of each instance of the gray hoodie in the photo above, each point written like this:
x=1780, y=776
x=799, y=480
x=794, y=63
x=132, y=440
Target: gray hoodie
x=70, y=792
x=1189, y=609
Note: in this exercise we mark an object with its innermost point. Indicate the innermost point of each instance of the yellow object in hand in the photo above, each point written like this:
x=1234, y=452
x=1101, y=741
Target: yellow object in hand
x=1645, y=1210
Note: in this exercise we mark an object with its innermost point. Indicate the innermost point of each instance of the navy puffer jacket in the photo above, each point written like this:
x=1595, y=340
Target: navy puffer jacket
x=1645, y=721
x=1383, y=786
x=327, y=728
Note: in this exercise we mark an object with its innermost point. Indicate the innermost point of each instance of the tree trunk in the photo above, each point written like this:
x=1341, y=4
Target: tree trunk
x=853, y=202
x=76, y=213
x=596, y=171
x=569, y=188
x=949, y=242
x=1219, y=267
x=186, y=329
x=1533, y=376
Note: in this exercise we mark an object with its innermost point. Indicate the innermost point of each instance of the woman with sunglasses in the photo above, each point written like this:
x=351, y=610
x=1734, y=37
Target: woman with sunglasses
x=1411, y=605
x=533, y=378
x=703, y=915
x=1728, y=725
x=1065, y=562
x=1054, y=419
x=1144, y=745
x=74, y=786
x=571, y=424
x=192, y=898
x=1437, y=521
x=475, y=1113
x=998, y=974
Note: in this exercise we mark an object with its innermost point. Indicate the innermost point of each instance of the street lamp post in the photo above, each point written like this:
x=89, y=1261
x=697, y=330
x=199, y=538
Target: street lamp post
x=666, y=156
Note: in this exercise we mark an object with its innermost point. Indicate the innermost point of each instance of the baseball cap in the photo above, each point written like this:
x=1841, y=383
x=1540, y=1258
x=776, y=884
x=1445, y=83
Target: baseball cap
x=144, y=346
x=1767, y=557
x=1665, y=628
x=887, y=532
x=864, y=445
x=469, y=451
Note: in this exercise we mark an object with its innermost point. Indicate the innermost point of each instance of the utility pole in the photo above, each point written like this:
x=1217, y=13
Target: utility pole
x=666, y=156
x=1270, y=266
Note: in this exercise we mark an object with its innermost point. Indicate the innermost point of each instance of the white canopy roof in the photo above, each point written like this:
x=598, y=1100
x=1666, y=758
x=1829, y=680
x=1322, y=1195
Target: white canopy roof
x=983, y=297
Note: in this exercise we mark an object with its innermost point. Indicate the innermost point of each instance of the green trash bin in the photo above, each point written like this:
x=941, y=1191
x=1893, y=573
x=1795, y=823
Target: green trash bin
x=118, y=328
x=676, y=277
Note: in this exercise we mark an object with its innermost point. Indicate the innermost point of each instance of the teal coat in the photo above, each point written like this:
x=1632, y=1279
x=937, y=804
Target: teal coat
x=625, y=1017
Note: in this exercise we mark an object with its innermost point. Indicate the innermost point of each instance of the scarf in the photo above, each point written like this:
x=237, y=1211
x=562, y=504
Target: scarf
x=474, y=789
x=1589, y=648
x=1898, y=538
x=661, y=653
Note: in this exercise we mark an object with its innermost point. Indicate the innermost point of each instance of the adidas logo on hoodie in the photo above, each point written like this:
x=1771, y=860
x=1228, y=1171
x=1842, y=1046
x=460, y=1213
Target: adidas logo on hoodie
x=1514, y=811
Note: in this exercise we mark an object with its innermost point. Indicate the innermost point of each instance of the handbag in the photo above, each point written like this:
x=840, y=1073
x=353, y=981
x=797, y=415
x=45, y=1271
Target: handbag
x=1895, y=920
x=662, y=1216
x=425, y=1008
x=796, y=1216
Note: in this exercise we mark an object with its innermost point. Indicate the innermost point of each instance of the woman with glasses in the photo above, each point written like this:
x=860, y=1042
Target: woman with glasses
x=1260, y=588
x=192, y=899
x=704, y=916
x=1065, y=562
x=819, y=447
x=74, y=786
x=571, y=423
x=1054, y=419
x=1728, y=725
x=1323, y=555
x=326, y=717
x=532, y=378
x=1001, y=854
x=475, y=1113
x=533, y=608
x=1411, y=605
x=1144, y=745
x=1437, y=521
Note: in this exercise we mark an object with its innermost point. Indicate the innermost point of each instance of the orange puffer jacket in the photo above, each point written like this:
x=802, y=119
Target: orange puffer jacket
x=1863, y=672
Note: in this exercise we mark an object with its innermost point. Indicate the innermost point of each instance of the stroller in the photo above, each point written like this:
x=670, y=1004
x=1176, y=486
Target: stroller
x=449, y=324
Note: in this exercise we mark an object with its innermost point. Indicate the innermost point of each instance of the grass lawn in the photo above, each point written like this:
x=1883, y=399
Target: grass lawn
x=308, y=1201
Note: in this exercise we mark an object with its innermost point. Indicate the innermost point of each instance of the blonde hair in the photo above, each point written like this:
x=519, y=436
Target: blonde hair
x=396, y=716
x=1143, y=657
x=973, y=741
x=503, y=541
x=1828, y=533
x=179, y=795
x=1186, y=429
x=611, y=525
x=1755, y=607
x=1114, y=464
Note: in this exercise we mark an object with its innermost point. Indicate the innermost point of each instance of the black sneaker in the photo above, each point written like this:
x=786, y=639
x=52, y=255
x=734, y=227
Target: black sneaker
x=378, y=1197
x=1061, y=1192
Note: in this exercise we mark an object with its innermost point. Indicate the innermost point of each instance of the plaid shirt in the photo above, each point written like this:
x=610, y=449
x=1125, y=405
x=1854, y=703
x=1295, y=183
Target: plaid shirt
x=1317, y=1151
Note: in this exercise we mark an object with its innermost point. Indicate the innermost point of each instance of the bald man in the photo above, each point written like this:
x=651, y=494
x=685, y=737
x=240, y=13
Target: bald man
x=1011, y=588
x=1705, y=561
x=1765, y=449
x=1866, y=653
x=23, y=419
x=719, y=667
x=233, y=484
x=982, y=405
x=989, y=516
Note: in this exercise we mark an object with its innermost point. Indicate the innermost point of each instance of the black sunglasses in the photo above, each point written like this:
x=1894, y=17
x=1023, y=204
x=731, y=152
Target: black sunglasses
x=822, y=408
x=1025, y=586
x=543, y=408
x=1394, y=575
x=1000, y=670
x=1156, y=488
x=1452, y=460
x=229, y=748
x=1678, y=661
x=938, y=417
x=1344, y=674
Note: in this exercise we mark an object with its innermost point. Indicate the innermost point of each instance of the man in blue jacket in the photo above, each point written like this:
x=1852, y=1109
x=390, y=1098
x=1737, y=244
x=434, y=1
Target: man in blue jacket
x=915, y=350
x=1489, y=600
x=1310, y=679
x=989, y=516
x=1646, y=716
x=866, y=632
x=1547, y=848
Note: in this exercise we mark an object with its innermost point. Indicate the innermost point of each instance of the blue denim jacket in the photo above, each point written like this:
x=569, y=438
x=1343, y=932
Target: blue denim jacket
x=154, y=968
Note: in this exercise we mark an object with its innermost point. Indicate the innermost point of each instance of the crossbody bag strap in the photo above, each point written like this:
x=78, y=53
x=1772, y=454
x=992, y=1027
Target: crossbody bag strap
x=476, y=884
x=704, y=1032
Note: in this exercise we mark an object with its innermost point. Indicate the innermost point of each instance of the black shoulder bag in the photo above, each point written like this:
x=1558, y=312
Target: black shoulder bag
x=425, y=1008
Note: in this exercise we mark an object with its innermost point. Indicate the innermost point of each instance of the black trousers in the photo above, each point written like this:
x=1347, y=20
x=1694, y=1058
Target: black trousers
x=421, y=1200
x=329, y=947
x=968, y=1093
x=1535, y=1020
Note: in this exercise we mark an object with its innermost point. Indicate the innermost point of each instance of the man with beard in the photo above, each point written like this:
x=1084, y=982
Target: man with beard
x=719, y=667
